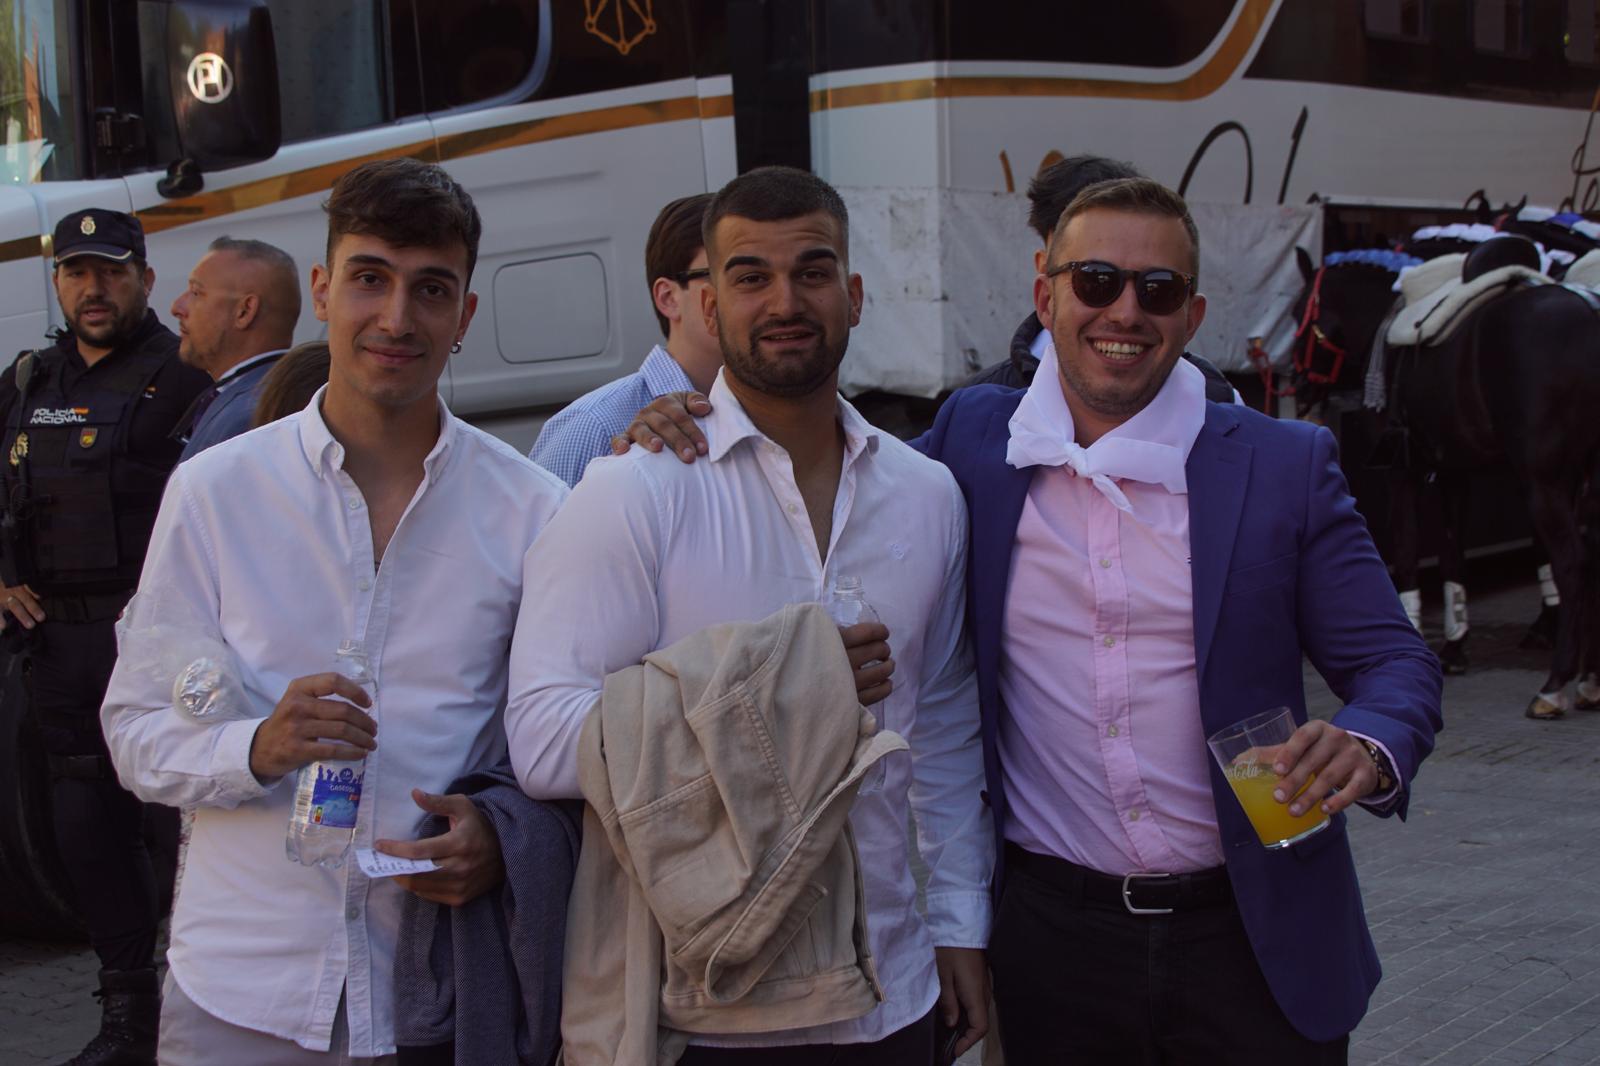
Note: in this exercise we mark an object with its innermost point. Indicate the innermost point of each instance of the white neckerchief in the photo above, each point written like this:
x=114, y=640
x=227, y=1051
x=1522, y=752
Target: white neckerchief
x=1151, y=447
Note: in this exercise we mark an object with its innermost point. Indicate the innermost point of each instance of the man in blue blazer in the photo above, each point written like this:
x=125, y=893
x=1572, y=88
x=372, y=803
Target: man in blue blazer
x=1266, y=951
x=236, y=316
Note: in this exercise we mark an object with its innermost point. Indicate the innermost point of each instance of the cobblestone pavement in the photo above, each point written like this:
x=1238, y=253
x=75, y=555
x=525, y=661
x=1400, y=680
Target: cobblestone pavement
x=1485, y=905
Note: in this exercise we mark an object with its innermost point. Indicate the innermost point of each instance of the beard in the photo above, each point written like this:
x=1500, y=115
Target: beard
x=793, y=376
x=123, y=323
x=1112, y=399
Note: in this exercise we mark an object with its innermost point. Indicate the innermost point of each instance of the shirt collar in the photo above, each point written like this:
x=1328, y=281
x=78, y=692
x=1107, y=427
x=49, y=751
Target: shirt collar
x=235, y=371
x=728, y=424
x=324, y=452
x=1040, y=342
x=662, y=374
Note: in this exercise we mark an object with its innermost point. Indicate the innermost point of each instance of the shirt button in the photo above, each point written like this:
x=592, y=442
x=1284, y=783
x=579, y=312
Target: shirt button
x=1111, y=642
x=353, y=913
x=793, y=509
x=1111, y=731
x=354, y=505
x=1133, y=816
x=363, y=584
x=1106, y=563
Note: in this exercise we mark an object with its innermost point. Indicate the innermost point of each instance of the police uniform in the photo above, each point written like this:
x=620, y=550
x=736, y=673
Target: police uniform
x=87, y=449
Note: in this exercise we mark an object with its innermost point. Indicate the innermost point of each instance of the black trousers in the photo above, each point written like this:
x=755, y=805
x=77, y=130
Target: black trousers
x=119, y=854
x=911, y=1046
x=1078, y=982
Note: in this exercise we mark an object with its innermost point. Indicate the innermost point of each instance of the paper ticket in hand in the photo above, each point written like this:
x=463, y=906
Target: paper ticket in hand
x=377, y=864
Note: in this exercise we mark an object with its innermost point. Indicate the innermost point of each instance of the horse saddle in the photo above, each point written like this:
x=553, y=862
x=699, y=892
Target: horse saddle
x=1438, y=301
x=1586, y=271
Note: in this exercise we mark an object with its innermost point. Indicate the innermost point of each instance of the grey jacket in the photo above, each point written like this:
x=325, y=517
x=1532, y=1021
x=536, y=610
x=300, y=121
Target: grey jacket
x=718, y=890
x=487, y=975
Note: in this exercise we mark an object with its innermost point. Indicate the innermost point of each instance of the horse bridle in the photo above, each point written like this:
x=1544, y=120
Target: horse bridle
x=1305, y=354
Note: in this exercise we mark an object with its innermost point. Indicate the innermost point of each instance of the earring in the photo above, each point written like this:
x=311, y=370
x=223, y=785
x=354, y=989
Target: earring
x=456, y=347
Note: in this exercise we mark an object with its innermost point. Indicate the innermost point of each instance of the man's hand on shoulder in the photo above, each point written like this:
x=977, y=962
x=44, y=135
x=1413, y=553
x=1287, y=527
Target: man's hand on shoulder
x=468, y=853
x=669, y=421
x=306, y=726
x=1338, y=759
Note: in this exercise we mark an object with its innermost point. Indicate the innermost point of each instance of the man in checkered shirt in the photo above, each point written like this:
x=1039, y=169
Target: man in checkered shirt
x=675, y=263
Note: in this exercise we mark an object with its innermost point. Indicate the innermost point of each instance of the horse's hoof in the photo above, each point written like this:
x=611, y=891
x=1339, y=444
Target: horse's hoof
x=1588, y=698
x=1453, y=657
x=1543, y=710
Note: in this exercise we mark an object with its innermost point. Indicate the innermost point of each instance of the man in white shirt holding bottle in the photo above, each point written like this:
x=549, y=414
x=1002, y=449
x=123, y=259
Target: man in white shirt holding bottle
x=372, y=516
x=798, y=490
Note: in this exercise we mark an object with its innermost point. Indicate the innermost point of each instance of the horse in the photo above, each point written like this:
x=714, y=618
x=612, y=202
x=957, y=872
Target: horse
x=1517, y=383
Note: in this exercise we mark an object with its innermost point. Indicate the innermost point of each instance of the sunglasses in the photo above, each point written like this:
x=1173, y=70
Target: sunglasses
x=683, y=279
x=1098, y=284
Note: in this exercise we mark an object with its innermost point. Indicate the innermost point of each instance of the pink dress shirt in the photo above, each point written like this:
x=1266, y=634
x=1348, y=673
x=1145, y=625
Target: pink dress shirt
x=1102, y=750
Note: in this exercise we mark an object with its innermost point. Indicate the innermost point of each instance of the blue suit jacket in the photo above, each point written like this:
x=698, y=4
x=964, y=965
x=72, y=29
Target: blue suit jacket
x=1282, y=566
x=229, y=414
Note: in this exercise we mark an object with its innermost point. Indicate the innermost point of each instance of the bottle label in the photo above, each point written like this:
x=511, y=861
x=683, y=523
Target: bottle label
x=335, y=797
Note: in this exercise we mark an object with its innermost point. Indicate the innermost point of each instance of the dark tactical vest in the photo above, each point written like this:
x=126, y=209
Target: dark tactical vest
x=80, y=507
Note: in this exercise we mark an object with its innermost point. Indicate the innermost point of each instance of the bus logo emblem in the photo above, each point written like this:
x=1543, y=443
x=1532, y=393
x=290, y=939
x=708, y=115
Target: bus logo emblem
x=210, y=80
x=620, y=23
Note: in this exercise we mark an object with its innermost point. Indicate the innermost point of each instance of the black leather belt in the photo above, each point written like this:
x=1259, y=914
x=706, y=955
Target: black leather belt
x=1143, y=894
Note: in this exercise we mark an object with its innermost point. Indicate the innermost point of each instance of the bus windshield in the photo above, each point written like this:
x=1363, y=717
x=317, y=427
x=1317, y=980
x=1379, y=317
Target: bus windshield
x=37, y=141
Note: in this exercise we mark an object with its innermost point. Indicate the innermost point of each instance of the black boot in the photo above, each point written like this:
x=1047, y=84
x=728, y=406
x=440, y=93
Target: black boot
x=130, y=1015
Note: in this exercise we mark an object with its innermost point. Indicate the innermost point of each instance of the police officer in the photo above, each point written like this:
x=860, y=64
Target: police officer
x=88, y=443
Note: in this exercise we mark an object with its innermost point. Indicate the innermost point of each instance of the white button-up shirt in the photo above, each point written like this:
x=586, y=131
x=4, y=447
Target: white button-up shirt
x=648, y=550
x=265, y=541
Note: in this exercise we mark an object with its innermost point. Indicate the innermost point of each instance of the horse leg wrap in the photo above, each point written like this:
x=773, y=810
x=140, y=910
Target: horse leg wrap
x=1411, y=600
x=1547, y=586
x=1455, y=611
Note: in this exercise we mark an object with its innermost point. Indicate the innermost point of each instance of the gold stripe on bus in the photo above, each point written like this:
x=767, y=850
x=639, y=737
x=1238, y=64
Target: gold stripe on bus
x=24, y=248
x=451, y=146
x=1203, y=82
x=716, y=107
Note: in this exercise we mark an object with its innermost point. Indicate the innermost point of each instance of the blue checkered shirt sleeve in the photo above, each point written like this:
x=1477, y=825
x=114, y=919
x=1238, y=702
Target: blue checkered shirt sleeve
x=583, y=429
x=573, y=437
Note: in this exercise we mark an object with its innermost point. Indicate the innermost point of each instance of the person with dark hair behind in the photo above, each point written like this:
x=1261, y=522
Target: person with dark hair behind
x=359, y=561
x=675, y=268
x=291, y=382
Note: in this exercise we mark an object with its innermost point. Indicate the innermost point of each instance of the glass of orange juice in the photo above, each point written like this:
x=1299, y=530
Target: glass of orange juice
x=1246, y=751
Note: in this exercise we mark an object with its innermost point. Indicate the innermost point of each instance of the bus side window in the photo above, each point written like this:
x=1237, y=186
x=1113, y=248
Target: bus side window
x=332, y=66
x=475, y=51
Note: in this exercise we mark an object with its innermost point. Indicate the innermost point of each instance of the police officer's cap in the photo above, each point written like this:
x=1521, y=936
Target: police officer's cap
x=98, y=232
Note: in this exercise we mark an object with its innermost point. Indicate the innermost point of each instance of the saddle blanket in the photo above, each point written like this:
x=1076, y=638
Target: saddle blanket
x=1430, y=319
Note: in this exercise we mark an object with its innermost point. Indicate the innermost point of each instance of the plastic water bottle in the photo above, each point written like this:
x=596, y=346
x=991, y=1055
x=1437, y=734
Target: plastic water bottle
x=327, y=795
x=847, y=605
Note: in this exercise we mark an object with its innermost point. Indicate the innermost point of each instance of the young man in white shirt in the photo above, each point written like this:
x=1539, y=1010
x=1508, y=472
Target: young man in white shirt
x=372, y=516
x=798, y=491
x=688, y=358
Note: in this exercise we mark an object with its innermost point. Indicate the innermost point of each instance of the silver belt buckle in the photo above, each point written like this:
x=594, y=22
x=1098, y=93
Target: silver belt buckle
x=1127, y=900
